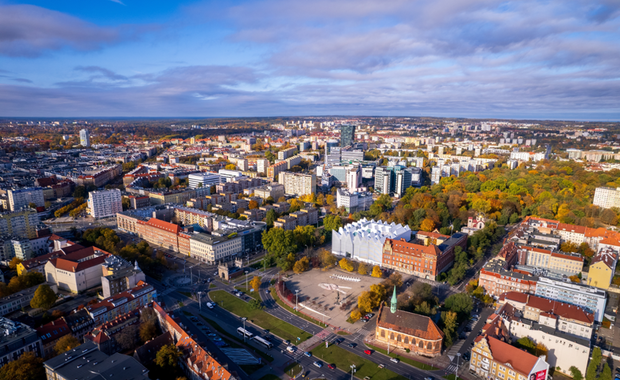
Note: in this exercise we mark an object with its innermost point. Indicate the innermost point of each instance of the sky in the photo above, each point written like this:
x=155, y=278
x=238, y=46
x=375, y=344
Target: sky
x=529, y=59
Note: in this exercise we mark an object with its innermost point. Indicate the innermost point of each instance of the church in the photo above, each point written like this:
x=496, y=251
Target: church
x=405, y=330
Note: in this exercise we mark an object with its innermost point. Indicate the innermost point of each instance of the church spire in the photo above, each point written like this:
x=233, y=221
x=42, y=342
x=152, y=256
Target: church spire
x=393, y=305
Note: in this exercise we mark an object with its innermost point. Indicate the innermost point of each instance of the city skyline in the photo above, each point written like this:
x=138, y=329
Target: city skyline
x=476, y=59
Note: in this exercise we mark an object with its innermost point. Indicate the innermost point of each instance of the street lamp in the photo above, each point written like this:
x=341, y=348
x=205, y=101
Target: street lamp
x=388, y=339
x=296, y=292
x=246, y=281
x=352, y=370
x=244, y=319
x=200, y=301
x=456, y=374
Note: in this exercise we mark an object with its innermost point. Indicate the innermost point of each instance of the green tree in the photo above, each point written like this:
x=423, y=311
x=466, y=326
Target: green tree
x=605, y=373
x=332, y=223
x=28, y=366
x=256, y=304
x=44, y=297
x=167, y=359
x=576, y=373
x=286, y=263
x=66, y=343
x=80, y=192
x=271, y=217
x=594, y=363
x=279, y=243
x=460, y=303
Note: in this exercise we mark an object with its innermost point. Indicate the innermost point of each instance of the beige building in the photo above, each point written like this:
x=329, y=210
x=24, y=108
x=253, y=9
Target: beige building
x=275, y=191
x=76, y=271
x=212, y=249
x=21, y=223
x=298, y=184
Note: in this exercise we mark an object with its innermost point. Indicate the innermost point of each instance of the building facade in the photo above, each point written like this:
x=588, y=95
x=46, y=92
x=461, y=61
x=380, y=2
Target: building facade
x=17, y=338
x=85, y=137
x=298, y=184
x=606, y=197
x=21, y=223
x=590, y=298
x=22, y=198
x=105, y=203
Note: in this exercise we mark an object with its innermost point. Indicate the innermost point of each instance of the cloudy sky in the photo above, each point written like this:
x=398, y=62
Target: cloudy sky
x=553, y=59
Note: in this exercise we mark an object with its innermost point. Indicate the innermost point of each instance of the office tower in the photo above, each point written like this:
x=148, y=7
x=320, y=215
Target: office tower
x=347, y=135
x=84, y=137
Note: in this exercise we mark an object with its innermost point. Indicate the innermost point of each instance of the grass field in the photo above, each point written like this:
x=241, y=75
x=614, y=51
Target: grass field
x=293, y=369
x=260, y=318
x=364, y=367
x=409, y=361
x=281, y=303
x=254, y=295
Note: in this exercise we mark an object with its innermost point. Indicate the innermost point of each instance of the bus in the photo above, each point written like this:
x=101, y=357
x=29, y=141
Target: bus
x=264, y=342
x=243, y=332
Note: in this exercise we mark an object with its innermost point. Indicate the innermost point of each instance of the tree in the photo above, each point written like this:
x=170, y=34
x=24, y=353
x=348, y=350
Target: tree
x=365, y=302
x=256, y=304
x=28, y=366
x=286, y=263
x=355, y=315
x=346, y=264
x=327, y=258
x=13, y=263
x=332, y=222
x=271, y=217
x=255, y=283
x=80, y=192
x=44, y=297
x=230, y=167
x=252, y=205
x=301, y=265
x=376, y=272
x=576, y=373
x=594, y=363
x=362, y=269
x=279, y=243
x=32, y=205
x=167, y=360
x=460, y=303
x=148, y=330
x=605, y=373
x=449, y=321
x=427, y=225
x=66, y=343
x=128, y=337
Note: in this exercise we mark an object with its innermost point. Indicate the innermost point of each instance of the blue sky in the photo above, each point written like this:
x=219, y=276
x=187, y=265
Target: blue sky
x=553, y=59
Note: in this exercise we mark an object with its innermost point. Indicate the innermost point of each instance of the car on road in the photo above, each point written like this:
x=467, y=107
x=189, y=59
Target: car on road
x=290, y=348
x=394, y=360
x=368, y=352
x=307, y=354
x=318, y=364
x=381, y=365
x=211, y=335
x=216, y=339
x=369, y=315
x=428, y=378
x=339, y=340
x=352, y=345
x=466, y=356
x=210, y=305
x=331, y=366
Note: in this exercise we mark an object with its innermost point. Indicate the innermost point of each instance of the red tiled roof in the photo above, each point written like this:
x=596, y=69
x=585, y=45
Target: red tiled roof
x=41, y=260
x=56, y=330
x=567, y=257
x=162, y=225
x=504, y=353
x=433, y=235
x=548, y=306
x=78, y=261
x=571, y=228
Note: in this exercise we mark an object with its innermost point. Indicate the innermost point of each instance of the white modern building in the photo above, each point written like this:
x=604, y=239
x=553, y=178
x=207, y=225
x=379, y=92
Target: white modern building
x=354, y=177
x=197, y=180
x=105, y=203
x=363, y=240
x=353, y=201
x=84, y=137
x=588, y=297
x=213, y=249
x=21, y=198
x=229, y=175
x=606, y=197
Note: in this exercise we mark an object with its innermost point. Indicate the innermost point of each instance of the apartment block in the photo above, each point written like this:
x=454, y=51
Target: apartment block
x=590, y=298
x=105, y=203
x=22, y=198
x=286, y=153
x=298, y=184
x=17, y=338
x=85, y=138
x=606, y=197
x=496, y=280
x=122, y=303
x=273, y=171
x=274, y=191
x=213, y=249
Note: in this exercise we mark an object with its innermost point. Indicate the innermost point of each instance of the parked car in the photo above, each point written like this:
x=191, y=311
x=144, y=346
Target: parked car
x=290, y=348
x=368, y=352
x=428, y=378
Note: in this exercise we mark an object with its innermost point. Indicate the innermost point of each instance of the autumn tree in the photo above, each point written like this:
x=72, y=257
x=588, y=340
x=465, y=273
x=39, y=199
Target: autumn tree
x=255, y=283
x=362, y=269
x=252, y=205
x=427, y=225
x=167, y=359
x=66, y=343
x=27, y=366
x=128, y=337
x=44, y=297
x=376, y=272
x=148, y=330
x=346, y=264
x=355, y=315
x=301, y=265
x=327, y=258
x=13, y=263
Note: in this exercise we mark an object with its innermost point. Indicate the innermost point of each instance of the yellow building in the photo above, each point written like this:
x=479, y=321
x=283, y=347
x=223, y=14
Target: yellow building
x=494, y=359
x=602, y=268
x=179, y=197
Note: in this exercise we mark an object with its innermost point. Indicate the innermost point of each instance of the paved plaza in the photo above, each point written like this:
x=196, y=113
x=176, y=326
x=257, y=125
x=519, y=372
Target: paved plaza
x=319, y=292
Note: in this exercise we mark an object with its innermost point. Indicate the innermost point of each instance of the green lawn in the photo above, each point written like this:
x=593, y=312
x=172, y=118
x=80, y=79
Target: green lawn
x=364, y=367
x=211, y=286
x=342, y=333
x=452, y=377
x=407, y=360
x=293, y=369
x=254, y=295
x=281, y=303
x=260, y=318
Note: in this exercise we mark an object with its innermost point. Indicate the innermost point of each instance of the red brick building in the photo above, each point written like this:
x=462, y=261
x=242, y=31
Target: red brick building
x=159, y=232
x=496, y=280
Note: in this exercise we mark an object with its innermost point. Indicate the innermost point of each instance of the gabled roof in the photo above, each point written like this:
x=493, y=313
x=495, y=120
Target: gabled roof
x=162, y=225
x=79, y=261
x=402, y=246
x=53, y=331
x=548, y=306
x=521, y=361
x=408, y=323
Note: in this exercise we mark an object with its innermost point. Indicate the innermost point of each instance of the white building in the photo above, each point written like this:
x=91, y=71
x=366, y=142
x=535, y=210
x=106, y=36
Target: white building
x=213, y=249
x=203, y=180
x=363, y=240
x=261, y=165
x=606, y=197
x=24, y=197
x=105, y=203
x=353, y=201
x=354, y=177
x=588, y=297
x=298, y=184
x=229, y=175
x=84, y=137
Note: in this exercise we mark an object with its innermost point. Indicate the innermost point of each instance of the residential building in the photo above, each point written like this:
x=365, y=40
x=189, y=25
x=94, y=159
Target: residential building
x=496, y=280
x=422, y=260
x=273, y=171
x=18, y=301
x=104, y=336
x=188, y=216
x=564, y=350
x=602, y=268
x=76, y=271
x=122, y=303
x=298, y=184
x=159, y=232
x=85, y=137
x=287, y=223
x=606, y=197
x=79, y=321
x=17, y=338
x=286, y=153
x=383, y=180
x=564, y=317
x=50, y=333
x=37, y=264
x=86, y=362
x=363, y=240
x=347, y=135
x=353, y=177
x=15, y=246
x=408, y=331
x=119, y=275
x=261, y=165
x=492, y=358
x=105, y=203
x=275, y=191
x=588, y=297
x=563, y=263
x=213, y=249
x=22, y=198
x=20, y=223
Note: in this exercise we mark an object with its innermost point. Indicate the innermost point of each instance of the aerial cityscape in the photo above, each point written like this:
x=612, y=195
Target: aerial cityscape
x=261, y=190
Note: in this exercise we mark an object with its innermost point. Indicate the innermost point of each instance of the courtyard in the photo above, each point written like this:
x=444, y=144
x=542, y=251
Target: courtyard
x=329, y=296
